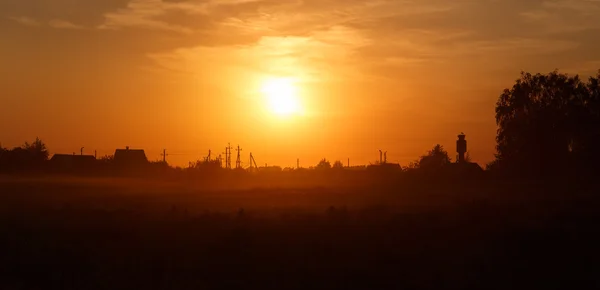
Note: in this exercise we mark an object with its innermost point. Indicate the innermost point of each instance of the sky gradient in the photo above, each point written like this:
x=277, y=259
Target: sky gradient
x=400, y=76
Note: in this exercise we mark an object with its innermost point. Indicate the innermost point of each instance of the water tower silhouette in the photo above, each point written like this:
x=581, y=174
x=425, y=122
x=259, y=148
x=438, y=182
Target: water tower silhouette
x=461, y=147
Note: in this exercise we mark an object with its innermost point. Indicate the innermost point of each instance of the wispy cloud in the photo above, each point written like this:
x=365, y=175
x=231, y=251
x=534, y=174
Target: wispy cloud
x=144, y=14
x=54, y=23
x=564, y=16
x=63, y=24
x=26, y=21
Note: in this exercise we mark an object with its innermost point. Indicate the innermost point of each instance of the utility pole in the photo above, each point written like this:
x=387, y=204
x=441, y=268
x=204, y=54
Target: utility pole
x=164, y=155
x=298, y=163
x=238, y=161
x=229, y=156
x=82, y=151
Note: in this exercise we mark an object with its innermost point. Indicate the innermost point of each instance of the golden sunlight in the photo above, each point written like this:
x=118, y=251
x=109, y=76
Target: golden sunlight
x=281, y=95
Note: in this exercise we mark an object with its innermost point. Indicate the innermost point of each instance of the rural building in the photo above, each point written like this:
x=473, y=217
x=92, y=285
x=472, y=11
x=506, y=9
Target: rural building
x=72, y=162
x=130, y=158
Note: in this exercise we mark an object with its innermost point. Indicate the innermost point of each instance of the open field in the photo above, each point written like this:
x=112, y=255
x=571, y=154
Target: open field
x=76, y=233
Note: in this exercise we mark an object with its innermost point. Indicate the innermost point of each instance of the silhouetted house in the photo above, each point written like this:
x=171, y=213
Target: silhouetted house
x=385, y=168
x=68, y=162
x=130, y=158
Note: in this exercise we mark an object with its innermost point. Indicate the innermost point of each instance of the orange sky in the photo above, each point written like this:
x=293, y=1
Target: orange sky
x=187, y=75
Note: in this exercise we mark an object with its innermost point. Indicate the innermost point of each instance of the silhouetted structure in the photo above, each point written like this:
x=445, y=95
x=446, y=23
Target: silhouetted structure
x=461, y=148
x=253, y=162
x=238, y=161
x=130, y=157
x=228, y=156
x=72, y=162
x=462, y=167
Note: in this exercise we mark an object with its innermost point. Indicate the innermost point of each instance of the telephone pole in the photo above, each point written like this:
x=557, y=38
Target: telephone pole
x=164, y=155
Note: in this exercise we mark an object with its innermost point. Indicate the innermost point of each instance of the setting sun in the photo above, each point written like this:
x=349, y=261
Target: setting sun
x=281, y=96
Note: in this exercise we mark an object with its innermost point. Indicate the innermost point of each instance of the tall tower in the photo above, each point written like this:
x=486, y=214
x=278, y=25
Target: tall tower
x=228, y=156
x=238, y=161
x=461, y=147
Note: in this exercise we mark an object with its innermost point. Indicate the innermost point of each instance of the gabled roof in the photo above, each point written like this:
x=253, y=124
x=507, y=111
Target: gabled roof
x=130, y=156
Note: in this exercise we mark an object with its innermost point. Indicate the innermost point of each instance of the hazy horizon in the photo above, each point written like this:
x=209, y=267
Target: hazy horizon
x=189, y=76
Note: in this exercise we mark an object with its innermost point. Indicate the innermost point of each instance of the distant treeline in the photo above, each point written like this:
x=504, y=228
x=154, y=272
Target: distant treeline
x=548, y=126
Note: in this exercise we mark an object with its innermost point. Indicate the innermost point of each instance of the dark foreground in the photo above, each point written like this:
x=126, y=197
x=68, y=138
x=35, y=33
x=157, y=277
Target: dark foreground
x=116, y=234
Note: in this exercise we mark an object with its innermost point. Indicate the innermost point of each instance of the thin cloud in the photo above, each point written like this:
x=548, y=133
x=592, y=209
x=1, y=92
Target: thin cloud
x=63, y=24
x=26, y=21
x=143, y=14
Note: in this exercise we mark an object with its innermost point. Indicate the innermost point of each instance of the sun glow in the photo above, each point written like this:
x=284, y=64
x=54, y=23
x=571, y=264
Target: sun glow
x=282, y=96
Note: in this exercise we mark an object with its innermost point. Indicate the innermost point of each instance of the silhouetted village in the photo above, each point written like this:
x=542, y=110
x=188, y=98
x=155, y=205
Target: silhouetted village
x=134, y=162
x=529, y=220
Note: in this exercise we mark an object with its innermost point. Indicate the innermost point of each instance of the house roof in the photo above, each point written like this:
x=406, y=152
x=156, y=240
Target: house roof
x=73, y=158
x=130, y=156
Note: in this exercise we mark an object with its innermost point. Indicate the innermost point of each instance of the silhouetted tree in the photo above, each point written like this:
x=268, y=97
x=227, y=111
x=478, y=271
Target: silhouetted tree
x=435, y=159
x=109, y=159
x=547, y=124
x=37, y=150
x=338, y=165
x=323, y=164
x=468, y=157
x=27, y=157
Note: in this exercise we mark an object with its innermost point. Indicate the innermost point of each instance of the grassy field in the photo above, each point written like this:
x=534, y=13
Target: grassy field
x=114, y=233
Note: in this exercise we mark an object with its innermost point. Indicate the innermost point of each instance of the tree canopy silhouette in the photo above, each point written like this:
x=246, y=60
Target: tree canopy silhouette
x=338, y=165
x=435, y=159
x=547, y=124
x=323, y=164
x=26, y=157
x=432, y=161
